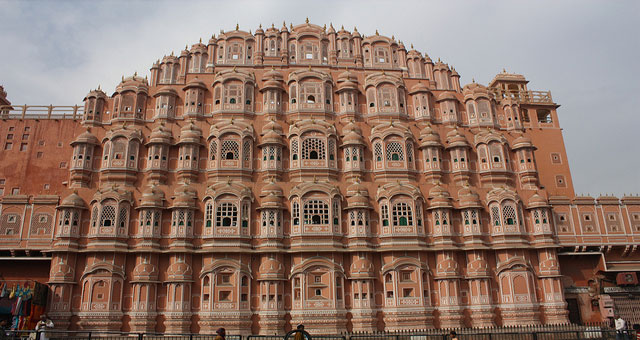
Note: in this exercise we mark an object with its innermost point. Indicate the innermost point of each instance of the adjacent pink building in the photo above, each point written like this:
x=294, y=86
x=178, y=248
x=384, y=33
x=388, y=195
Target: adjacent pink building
x=308, y=175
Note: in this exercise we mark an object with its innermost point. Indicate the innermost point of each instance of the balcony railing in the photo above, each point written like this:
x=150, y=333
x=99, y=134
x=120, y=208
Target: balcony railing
x=41, y=112
x=529, y=97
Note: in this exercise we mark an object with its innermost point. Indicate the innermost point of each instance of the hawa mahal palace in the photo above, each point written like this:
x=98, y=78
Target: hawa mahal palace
x=308, y=175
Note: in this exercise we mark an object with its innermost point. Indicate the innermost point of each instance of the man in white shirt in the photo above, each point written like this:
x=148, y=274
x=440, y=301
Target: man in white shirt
x=621, y=327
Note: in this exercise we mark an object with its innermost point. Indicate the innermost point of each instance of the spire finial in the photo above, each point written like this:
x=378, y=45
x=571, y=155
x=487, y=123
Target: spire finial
x=342, y=27
x=200, y=41
x=135, y=74
x=306, y=20
x=393, y=37
x=186, y=47
x=473, y=80
x=355, y=29
x=237, y=26
x=260, y=26
x=411, y=46
x=377, y=32
x=330, y=25
x=324, y=27
x=98, y=87
x=291, y=27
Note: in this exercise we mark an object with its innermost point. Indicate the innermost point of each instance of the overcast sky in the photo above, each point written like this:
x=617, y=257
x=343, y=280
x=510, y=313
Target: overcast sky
x=586, y=52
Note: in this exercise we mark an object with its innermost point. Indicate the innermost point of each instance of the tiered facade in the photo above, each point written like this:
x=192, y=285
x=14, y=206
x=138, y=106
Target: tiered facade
x=302, y=175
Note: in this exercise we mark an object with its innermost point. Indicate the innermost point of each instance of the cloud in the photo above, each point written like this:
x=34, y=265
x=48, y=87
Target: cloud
x=585, y=52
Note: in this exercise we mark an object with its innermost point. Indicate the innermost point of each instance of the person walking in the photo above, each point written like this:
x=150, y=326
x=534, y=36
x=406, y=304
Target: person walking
x=300, y=334
x=453, y=335
x=221, y=334
x=621, y=327
x=43, y=325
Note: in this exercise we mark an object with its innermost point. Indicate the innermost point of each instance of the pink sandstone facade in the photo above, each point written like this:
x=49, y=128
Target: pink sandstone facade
x=307, y=175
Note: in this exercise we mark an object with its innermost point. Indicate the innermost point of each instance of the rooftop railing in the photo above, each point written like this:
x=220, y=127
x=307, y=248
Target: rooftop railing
x=40, y=112
x=529, y=97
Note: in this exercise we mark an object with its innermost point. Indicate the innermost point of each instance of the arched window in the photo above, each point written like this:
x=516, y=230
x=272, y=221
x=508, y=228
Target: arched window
x=311, y=99
x=227, y=215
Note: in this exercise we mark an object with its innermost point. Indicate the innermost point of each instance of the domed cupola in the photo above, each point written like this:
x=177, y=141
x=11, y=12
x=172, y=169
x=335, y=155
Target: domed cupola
x=538, y=208
x=94, y=106
x=271, y=269
x=358, y=209
x=440, y=207
x=146, y=272
x=82, y=160
x=183, y=210
x=271, y=210
x=130, y=98
x=362, y=269
x=179, y=271
x=273, y=89
x=431, y=153
x=353, y=146
x=525, y=161
x=271, y=145
x=195, y=91
x=70, y=212
x=189, y=151
x=458, y=148
x=158, y=145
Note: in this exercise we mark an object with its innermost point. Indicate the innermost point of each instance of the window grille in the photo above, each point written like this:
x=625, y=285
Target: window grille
x=108, y=216
x=208, y=214
x=229, y=149
x=227, y=215
x=122, y=217
x=410, y=151
x=395, y=152
x=232, y=93
x=332, y=144
x=296, y=213
x=402, y=214
x=213, y=150
x=508, y=215
x=316, y=212
x=246, y=150
x=495, y=216
x=294, y=149
x=313, y=148
x=378, y=151
x=94, y=217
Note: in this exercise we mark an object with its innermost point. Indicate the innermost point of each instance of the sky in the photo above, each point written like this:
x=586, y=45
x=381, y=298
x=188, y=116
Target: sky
x=586, y=52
